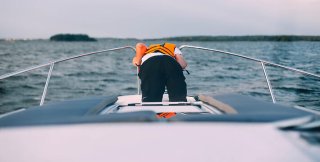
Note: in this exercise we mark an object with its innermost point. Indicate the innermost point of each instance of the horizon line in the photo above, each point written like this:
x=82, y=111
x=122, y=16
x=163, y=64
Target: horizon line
x=247, y=35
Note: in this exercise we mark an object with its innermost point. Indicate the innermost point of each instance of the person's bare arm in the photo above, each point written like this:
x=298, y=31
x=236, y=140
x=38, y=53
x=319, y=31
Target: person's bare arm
x=181, y=61
x=140, y=50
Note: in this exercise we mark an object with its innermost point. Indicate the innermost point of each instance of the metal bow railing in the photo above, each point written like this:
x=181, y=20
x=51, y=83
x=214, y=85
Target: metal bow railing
x=52, y=63
x=262, y=62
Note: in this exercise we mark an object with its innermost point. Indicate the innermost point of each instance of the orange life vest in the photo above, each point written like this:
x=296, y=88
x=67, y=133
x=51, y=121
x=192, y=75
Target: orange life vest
x=166, y=48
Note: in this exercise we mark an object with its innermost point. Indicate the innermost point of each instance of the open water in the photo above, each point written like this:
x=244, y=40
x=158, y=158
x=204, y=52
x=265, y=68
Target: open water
x=112, y=73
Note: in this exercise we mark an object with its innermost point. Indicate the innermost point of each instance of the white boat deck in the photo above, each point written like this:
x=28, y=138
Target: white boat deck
x=132, y=103
x=129, y=99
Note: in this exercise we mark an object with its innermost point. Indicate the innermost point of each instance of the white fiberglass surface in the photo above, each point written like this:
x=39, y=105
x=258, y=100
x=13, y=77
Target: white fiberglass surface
x=149, y=141
x=129, y=99
x=159, y=109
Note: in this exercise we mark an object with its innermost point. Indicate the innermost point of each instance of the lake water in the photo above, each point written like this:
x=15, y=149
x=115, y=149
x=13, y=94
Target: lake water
x=112, y=73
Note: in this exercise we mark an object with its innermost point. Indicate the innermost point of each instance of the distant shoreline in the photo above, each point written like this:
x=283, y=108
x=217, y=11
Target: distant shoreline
x=253, y=38
x=274, y=38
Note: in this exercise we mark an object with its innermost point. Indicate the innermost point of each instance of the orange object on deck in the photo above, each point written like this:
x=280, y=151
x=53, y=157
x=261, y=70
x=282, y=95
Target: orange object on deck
x=166, y=115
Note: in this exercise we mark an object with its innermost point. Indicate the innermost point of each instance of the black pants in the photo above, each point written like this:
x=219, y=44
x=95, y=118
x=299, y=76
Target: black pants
x=159, y=72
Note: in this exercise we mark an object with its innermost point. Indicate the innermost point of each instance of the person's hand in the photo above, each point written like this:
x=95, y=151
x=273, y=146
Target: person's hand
x=136, y=62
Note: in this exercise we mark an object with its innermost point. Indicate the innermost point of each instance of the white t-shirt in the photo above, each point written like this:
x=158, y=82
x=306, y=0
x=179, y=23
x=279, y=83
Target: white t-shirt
x=146, y=57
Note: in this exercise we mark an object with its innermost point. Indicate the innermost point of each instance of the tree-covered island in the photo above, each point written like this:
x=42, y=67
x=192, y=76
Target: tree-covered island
x=72, y=37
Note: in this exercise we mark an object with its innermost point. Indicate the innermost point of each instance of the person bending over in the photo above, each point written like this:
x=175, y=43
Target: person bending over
x=160, y=66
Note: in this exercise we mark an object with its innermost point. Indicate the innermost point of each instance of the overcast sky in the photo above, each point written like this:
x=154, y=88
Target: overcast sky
x=161, y=18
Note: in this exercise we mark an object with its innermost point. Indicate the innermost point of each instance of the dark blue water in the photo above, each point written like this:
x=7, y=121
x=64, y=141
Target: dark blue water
x=112, y=73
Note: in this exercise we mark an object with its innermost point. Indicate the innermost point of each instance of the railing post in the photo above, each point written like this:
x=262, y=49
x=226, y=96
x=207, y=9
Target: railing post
x=46, y=85
x=138, y=82
x=268, y=82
